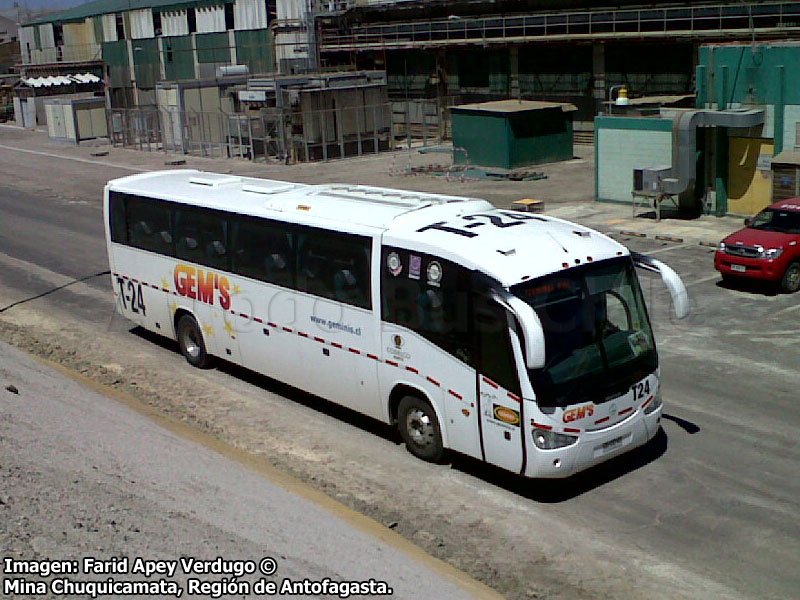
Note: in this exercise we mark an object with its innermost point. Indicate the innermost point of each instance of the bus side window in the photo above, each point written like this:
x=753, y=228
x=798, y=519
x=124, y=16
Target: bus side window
x=433, y=300
x=494, y=346
x=150, y=225
x=263, y=251
x=201, y=237
x=334, y=266
x=117, y=223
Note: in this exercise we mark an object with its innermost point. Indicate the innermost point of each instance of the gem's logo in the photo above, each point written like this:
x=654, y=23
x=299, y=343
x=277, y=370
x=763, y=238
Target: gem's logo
x=573, y=414
x=204, y=286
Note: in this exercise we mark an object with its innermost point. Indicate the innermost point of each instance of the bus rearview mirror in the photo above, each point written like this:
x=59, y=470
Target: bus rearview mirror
x=532, y=330
x=680, y=297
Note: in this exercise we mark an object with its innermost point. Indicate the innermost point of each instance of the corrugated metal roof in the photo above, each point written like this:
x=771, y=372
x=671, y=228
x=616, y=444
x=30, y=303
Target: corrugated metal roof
x=787, y=157
x=102, y=7
x=511, y=106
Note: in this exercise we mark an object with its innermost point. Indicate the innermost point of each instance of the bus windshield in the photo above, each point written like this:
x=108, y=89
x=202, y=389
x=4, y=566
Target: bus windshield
x=598, y=340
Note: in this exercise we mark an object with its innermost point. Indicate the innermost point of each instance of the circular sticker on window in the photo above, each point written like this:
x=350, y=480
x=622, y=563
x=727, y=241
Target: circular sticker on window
x=394, y=263
x=434, y=273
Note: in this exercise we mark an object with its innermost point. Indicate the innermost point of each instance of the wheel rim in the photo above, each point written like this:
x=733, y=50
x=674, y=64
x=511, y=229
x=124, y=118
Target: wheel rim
x=190, y=344
x=793, y=277
x=420, y=428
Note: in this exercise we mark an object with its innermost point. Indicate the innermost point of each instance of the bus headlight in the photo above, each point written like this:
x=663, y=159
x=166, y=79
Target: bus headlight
x=655, y=404
x=550, y=440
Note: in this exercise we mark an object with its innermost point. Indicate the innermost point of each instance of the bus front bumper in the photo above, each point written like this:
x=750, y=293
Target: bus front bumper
x=594, y=447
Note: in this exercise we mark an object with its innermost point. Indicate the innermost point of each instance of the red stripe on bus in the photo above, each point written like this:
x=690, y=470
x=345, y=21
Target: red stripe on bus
x=456, y=394
x=391, y=362
x=413, y=370
x=372, y=356
x=541, y=426
x=302, y=334
x=287, y=329
x=354, y=351
x=571, y=430
x=603, y=420
x=271, y=324
x=233, y=312
x=258, y=320
x=244, y=315
x=626, y=411
x=433, y=381
x=335, y=345
x=134, y=280
x=165, y=290
x=649, y=400
x=514, y=397
x=490, y=382
x=319, y=339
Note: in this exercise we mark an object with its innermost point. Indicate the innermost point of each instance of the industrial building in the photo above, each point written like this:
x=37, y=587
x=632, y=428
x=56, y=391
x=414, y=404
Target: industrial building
x=437, y=54
x=720, y=155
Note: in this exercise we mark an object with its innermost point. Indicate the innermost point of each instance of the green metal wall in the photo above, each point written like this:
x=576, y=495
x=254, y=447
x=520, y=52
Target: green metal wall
x=484, y=137
x=623, y=144
x=213, y=48
x=748, y=74
x=147, y=66
x=254, y=49
x=178, y=57
x=511, y=140
x=115, y=55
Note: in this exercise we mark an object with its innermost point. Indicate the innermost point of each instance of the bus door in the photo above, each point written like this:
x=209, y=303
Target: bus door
x=500, y=402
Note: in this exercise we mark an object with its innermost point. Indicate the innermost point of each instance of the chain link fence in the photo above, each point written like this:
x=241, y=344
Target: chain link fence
x=281, y=134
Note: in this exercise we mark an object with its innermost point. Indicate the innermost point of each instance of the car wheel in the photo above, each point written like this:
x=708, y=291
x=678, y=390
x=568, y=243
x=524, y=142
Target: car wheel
x=791, y=278
x=190, y=339
x=419, y=428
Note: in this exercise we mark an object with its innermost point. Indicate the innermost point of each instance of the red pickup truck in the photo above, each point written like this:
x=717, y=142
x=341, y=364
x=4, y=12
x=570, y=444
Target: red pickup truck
x=768, y=248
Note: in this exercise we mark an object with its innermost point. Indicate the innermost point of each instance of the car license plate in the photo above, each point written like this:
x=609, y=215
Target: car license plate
x=738, y=268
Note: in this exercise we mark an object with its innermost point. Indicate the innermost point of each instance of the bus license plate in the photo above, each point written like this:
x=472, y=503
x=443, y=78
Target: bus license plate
x=612, y=444
x=738, y=268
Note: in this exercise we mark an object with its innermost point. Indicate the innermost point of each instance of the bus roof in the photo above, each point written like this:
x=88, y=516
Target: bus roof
x=510, y=246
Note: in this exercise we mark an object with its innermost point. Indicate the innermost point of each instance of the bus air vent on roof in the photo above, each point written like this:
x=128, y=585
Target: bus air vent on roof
x=268, y=187
x=388, y=197
x=214, y=180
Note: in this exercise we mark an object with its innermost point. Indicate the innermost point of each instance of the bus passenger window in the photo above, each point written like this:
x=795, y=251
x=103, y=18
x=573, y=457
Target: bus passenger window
x=150, y=225
x=334, y=266
x=119, y=229
x=201, y=237
x=263, y=251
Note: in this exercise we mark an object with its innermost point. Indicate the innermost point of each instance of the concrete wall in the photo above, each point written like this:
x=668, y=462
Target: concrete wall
x=623, y=144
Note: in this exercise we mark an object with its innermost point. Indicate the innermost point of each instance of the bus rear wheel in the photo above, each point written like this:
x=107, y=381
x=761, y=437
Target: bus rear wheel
x=190, y=339
x=419, y=428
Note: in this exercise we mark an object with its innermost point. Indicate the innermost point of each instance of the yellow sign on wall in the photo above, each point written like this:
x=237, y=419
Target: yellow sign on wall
x=749, y=183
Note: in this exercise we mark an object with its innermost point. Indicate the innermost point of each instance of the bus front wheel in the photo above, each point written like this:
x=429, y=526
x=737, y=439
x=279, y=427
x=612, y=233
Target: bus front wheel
x=419, y=428
x=190, y=339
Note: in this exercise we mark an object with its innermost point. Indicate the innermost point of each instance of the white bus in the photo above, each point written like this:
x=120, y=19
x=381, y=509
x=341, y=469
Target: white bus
x=518, y=339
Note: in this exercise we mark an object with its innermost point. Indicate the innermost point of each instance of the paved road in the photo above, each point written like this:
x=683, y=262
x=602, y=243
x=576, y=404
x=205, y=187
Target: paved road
x=84, y=475
x=708, y=510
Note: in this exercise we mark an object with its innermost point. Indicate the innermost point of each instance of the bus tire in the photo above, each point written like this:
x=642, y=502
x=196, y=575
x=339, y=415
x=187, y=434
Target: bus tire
x=790, y=282
x=190, y=339
x=419, y=428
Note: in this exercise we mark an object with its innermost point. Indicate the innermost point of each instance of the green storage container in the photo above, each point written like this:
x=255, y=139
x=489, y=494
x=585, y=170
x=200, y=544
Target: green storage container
x=513, y=133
